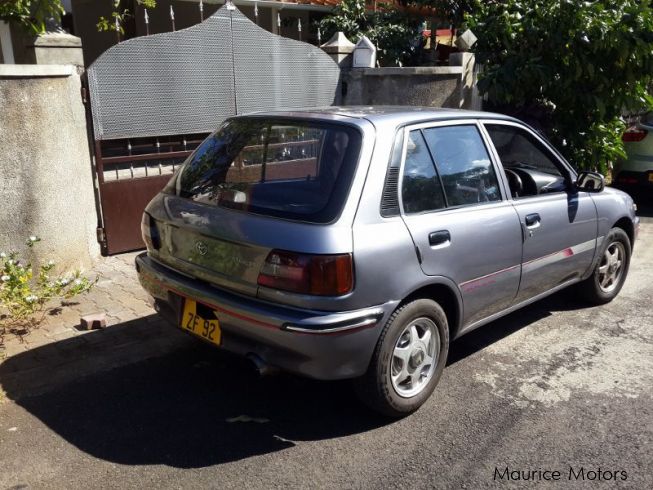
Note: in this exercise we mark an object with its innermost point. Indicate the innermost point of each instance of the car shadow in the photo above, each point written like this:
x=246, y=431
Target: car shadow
x=497, y=330
x=192, y=406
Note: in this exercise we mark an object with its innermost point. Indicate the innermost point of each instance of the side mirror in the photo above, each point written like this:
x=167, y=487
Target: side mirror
x=590, y=182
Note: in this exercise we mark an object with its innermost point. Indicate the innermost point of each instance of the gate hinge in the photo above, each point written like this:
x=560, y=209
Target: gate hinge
x=101, y=237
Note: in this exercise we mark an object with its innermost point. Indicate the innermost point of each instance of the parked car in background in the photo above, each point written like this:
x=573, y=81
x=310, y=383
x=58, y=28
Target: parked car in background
x=359, y=242
x=636, y=172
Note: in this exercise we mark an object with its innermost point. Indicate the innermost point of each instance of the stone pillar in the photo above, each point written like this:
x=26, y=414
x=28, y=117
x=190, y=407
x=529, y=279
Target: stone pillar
x=469, y=97
x=6, y=43
x=57, y=48
x=340, y=49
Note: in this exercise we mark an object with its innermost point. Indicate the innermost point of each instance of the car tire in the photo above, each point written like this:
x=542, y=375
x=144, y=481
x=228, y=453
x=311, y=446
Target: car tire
x=598, y=289
x=392, y=376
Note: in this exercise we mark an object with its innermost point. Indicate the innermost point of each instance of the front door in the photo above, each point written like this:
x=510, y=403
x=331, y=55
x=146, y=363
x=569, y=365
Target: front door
x=559, y=224
x=455, y=210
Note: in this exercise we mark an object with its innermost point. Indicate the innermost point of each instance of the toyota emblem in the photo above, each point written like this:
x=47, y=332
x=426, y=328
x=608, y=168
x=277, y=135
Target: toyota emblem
x=201, y=248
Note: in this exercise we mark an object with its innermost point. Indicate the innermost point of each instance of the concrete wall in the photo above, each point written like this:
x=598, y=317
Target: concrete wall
x=437, y=86
x=46, y=182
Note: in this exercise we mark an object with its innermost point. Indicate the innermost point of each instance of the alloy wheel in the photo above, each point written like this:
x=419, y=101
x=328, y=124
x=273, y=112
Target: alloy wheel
x=611, y=267
x=415, y=357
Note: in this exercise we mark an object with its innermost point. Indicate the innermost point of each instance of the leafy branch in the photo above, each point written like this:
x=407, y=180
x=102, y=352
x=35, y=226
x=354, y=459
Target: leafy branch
x=31, y=15
x=119, y=16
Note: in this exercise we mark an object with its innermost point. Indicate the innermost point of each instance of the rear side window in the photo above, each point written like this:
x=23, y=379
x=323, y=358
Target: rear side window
x=285, y=168
x=464, y=165
x=420, y=189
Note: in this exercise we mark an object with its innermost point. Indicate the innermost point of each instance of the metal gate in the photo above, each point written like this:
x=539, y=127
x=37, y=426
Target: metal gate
x=154, y=99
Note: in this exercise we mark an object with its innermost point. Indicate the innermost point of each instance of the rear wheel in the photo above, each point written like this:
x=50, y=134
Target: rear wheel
x=408, y=360
x=611, y=270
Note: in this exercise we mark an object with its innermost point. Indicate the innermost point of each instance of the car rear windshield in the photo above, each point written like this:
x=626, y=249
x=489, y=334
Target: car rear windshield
x=292, y=169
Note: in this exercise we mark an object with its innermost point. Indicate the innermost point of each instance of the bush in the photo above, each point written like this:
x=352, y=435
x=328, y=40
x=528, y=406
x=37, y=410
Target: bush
x=577, y=65
x=25, y=299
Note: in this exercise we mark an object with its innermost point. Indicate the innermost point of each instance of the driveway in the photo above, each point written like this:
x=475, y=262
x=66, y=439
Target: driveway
x=554, y=387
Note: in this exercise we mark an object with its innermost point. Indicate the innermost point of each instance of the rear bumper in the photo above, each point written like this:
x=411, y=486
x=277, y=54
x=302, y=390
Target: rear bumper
x=318, y=344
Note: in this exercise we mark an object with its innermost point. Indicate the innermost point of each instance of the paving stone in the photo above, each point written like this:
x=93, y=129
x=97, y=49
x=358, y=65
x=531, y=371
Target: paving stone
x=13, y=348
x=66, y=317
x=142, y=309
x=37, y=337
x=58, y=331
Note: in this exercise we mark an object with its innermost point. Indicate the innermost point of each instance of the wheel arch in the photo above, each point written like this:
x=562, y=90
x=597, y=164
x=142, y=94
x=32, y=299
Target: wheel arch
x=446, y=294
x=626, y=224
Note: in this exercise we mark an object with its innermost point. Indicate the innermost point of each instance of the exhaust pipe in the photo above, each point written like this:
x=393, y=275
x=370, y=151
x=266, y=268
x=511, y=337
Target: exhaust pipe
x=262, y=367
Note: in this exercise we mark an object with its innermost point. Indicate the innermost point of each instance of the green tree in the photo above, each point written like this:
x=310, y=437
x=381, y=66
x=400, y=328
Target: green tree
x=395, y=33
x=32, y=15
x=578, y=66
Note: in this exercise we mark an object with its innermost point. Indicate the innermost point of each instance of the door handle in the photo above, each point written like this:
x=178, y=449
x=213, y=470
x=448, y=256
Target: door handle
x=532, y=220
x=439, y=238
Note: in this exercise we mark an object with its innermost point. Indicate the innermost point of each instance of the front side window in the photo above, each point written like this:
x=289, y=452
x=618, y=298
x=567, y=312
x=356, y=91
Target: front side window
x=420, y=189
x=464, y=165
x=290, y=169
x=530, y=167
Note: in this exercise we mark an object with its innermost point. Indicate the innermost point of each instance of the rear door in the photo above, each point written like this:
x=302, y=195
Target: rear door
x=559, y=223
x=455, y=209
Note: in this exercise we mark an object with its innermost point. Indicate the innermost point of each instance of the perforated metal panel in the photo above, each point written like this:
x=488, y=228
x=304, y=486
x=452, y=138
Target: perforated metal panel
x=189, y=81
x=274, y=72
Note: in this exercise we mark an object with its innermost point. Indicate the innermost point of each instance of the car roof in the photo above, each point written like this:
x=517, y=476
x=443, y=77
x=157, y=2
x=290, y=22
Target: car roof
x=394, y=115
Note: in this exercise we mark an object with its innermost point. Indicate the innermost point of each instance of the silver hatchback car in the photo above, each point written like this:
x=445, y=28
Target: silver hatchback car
x=358, y=242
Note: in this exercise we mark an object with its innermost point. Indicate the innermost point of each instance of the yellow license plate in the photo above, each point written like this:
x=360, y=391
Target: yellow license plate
x=650, y=177
x=202, y=321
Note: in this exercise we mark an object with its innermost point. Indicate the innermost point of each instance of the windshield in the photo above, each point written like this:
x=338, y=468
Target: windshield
x=286, y=168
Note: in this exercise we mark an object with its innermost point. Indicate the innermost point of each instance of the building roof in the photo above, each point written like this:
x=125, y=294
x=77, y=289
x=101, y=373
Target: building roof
x=326, y=3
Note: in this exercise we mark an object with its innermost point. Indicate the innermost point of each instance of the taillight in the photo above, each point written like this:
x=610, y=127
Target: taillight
x=321, y=275
x=634, y=134
x=150, y=233
x=626, y=180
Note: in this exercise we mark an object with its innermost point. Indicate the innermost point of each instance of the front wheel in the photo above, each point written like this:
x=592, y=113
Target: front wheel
x=611, y=270
x=408, y=360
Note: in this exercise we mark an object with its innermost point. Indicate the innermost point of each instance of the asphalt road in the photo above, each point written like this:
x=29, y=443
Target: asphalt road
x=553, y=387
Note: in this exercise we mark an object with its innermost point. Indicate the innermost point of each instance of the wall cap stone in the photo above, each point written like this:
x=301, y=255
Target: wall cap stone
x=36, y=71
x=338, y=44
x=412, y=70
x=57, y=40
